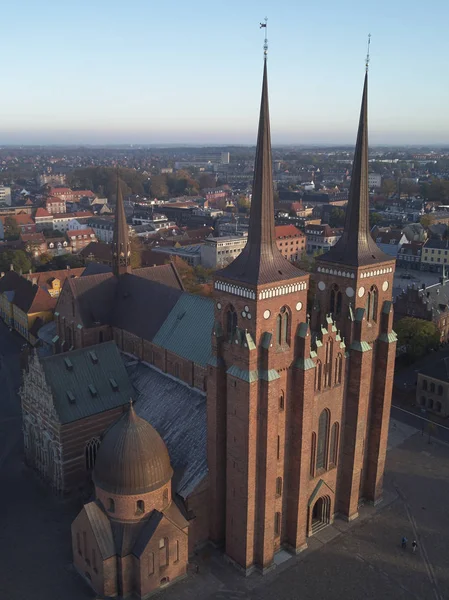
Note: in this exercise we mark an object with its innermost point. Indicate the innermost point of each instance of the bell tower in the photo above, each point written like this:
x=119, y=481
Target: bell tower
x=260, y=299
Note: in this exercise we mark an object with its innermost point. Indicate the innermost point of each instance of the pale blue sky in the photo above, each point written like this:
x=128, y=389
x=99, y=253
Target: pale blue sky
x=140, y=71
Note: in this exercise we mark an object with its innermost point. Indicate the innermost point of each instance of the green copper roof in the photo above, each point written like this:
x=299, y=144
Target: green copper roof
x=187, y=329
x=87, y=381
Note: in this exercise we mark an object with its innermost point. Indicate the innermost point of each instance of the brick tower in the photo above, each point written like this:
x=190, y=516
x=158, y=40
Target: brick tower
x=297, y=422
x=121, y=247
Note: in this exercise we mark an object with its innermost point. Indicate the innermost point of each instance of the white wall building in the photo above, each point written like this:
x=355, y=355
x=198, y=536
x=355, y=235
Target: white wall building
x=5, y=195
x=218, y=252
x=103, y=228
x=374, y=180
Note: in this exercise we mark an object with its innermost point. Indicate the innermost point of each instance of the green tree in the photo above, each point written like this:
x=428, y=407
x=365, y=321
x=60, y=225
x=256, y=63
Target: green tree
x=337, y=217
x=417, y=336
x=137, y=248
x=374, y=219
x=12, y=229
x=388, y=187
x=17, y=258
x=243, y=204
x=426, y=221
x=158, y=187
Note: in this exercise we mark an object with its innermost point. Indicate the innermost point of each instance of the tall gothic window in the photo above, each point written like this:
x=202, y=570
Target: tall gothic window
x=313, y=455
x=338, y=369
x=327, y=382
x=323, y=434
x=91, y=453
x=278, y=486
x=163, y=552
x=318, y=375
x=231, y=321
x=333, y=446
x=335, y=307
x=371, y=304
x=282, y=326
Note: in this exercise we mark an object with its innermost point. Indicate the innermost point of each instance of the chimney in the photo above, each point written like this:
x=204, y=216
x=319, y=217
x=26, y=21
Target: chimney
x=34, y=280
x=11, y=267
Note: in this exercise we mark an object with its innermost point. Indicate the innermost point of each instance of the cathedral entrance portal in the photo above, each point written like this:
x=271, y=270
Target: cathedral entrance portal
x=321, y=513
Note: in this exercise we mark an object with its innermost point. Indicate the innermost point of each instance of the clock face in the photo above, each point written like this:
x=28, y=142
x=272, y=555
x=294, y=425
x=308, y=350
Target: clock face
x=298, y=305
x=385, y=286
x=361, y=291
x=321, y=285
x=350, y=292
x=266, y=314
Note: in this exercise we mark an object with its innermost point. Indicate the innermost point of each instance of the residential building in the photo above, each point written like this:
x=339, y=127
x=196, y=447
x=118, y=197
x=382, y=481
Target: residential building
x=430, y=303
x=432, y=388
x=58, y=246
x=62, y=221
x=53, y=281
x=409, y=255
x=52, y=179
x=23, y=306
x=80, y=238
x=218, y=252
x=374, y=180
x=103, y=229
x=320, y=238
x=225, y=158
x=24, y=221
x=34, y=243
x=43, y=219
x=55, y=205
x=290, y=241
x=435, y=254
x=390, y=240
x=5, y=195
x=191, y=253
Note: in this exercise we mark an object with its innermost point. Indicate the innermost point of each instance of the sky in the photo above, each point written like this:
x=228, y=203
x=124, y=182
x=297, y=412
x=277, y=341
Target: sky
x=147, y=72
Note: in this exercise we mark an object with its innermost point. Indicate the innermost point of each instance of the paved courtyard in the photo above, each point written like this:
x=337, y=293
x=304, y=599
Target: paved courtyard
x=357, y=561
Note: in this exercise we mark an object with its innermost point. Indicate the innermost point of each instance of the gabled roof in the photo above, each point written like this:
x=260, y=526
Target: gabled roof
x=187, y=329
x=76, y=232
x=42, y=212
x=95, y=295
x=437, y=370
x=27, y=297
x=45, y=278
x=283, y=231
x=70, y=374
x=101, y=528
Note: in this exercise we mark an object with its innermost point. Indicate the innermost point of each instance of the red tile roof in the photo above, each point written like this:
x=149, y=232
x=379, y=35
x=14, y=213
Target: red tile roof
x=42, y=212
x=76, y=232
x=283, y=231
x=45, y=278
x=75, y=215
x=33, y=237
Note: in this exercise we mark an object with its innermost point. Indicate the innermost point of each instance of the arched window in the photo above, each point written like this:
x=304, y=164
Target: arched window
x=283, y=327
x=371, y=304
x=430, y=403
x=335, y=304
x=432, y=388
x=328, y=365
x=91, y=453
x=322, y=442
x=438, y=406
x=333, y=446
x=231, y=321
x=140, y=507
x=151, y=563
x=424, y=384
x=313, y=455
x=440, y=390
x=338, y=369
x=318, y=375
x=111, y=507
x=277, y=524
x=278, y=486
x=281, y=401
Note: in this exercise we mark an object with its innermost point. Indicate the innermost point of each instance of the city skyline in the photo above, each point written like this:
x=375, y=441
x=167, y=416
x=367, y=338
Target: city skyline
x=114, y=74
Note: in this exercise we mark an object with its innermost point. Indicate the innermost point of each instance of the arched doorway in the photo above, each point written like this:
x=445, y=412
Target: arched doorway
x=320, y=513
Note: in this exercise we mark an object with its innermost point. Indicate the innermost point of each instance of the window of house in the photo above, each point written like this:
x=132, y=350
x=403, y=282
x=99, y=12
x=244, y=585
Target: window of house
x=322, y=442
x=424, y=384
x=313, y=455
x=176, y=551
x=318, y=375
x=90, y=453
x=278, y=486
x=438, y=406
x=432, y=388
x=440, y=390
x=277, y=524
x=430, y=403
x=151, y=563
x=231, y=321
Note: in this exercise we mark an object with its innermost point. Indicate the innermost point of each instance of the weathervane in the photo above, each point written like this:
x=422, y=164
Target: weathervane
x=265, y=42
x=367, y=53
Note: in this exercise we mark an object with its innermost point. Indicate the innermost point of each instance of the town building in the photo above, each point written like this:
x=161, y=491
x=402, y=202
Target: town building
x=374, y=180
x=389, y=240
x=298, y=393
x=191, y=253
x=53, y=281
x=80, y=238
x=409, y=256
x=57, y=246
x=55, y=205
x=434, y=255
x=103, y=228
x=219, y=251
x=432, y=388
x=61, y=221
x=5, y=195
x=52, y=179
x=430, y=303
x=290, y=241
x=34, y=243
x=320, y=238
x=43, y=219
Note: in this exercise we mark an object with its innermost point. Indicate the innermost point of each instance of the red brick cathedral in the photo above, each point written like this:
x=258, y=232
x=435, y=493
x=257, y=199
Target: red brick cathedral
x=300, y=379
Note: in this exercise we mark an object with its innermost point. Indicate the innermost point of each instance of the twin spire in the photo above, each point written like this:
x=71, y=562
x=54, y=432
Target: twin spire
x=121, y=247
x=260, y=262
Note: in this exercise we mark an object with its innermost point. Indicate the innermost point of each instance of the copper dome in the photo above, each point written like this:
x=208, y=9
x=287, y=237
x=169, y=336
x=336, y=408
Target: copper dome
x=132, y=458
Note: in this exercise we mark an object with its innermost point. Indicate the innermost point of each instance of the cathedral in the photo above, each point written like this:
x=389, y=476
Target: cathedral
x=295, y=370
